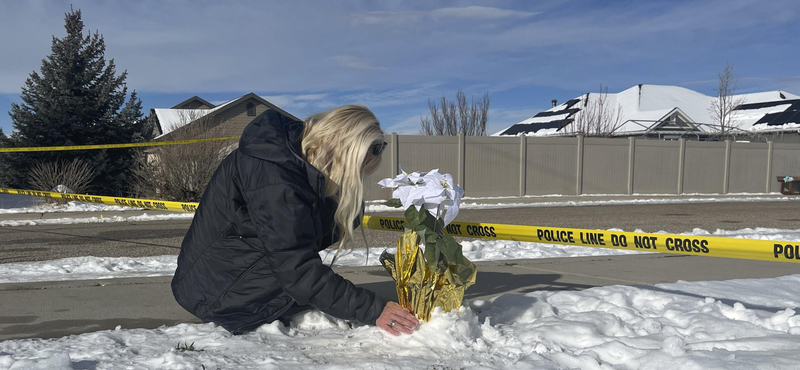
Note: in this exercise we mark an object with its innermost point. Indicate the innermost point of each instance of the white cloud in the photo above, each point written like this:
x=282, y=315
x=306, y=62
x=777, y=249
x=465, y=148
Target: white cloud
x=481, y=12
x=405, y=126
x=408, y=18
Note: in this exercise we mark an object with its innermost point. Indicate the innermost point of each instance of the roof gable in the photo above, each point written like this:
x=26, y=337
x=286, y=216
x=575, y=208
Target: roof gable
x=196, y=100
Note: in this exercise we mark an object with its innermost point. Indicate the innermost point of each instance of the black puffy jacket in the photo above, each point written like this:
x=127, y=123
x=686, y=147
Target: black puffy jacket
x=253, y=247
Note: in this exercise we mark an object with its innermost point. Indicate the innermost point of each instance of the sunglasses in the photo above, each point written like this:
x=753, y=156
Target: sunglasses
x=377, y=148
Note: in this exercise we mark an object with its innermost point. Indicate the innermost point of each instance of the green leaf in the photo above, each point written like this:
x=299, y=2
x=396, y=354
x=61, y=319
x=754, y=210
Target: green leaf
x=428, y=220
x=414, y=217
x=421, y=232
x=439, y=226
x=450, y=248
x=430, y=235
x=431, y=258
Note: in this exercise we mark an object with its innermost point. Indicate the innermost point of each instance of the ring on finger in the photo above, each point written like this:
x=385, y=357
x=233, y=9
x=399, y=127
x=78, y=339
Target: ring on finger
x=391, y=324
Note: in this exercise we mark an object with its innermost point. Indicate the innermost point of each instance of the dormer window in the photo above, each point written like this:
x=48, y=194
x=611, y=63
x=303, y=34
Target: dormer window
x=251, y=109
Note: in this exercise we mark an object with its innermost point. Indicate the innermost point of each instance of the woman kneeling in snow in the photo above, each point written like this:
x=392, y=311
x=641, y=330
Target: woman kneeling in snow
x=291, y=189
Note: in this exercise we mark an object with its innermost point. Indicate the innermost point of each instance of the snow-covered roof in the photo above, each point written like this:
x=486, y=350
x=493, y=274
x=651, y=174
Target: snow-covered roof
x=173, y=119
x=643, y=107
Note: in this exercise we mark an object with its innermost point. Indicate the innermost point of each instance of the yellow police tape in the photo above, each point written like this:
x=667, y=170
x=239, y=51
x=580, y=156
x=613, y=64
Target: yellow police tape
x=161, y=205
x=710, y=246
x=765, y=250
x=111, y=146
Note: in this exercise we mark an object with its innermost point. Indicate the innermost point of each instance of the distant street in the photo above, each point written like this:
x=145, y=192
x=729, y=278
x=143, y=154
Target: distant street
x=136, y=239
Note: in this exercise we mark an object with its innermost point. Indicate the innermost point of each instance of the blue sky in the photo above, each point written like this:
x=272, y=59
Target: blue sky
x=393, y=56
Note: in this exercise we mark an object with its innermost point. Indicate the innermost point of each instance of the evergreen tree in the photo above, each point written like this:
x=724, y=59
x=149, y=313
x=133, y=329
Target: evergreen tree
x=6, y=170
x=78, y=98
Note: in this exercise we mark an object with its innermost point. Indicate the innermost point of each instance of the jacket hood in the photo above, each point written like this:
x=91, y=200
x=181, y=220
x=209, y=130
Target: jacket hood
x=275, y=137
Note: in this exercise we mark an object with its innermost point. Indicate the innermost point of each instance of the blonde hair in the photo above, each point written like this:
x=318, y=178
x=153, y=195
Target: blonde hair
x=336, y=142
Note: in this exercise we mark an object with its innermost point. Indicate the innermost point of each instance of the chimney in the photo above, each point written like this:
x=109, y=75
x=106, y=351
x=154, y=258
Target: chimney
x=554, y=102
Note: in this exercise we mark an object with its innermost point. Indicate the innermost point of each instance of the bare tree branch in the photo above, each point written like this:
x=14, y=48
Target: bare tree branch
x=456, y=117
x=722, y=107
x=596, y=117
x=181, y=172
x=61, y=176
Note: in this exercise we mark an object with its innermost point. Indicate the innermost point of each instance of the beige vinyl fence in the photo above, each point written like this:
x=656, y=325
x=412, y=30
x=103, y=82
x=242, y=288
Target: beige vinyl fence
x=518, y=166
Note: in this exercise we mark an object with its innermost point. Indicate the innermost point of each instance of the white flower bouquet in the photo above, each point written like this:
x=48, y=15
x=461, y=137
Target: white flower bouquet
x=439, y=275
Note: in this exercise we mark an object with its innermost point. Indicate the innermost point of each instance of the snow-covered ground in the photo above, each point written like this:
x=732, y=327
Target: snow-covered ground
x=737, y=324
x=69, y=207
x=85, y=268
x=96, y=219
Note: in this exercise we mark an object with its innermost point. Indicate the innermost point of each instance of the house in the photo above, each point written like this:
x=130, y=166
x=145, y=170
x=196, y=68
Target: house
x=196, y=117
x=667, y=112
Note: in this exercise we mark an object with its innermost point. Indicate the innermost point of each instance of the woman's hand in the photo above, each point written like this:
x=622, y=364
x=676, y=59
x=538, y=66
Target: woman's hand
x=396, y=319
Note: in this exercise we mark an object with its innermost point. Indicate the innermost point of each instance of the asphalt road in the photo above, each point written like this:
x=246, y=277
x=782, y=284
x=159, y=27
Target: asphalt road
x=136, y=239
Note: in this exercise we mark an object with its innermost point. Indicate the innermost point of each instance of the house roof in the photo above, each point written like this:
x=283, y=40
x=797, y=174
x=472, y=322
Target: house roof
x=172, y=119
x=641, y=107
x=194, y=98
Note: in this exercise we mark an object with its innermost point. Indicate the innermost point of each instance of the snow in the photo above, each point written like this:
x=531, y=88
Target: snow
x=791, y=126
x=546, y=119
x=94, y=220
x=69, y=207
x=86, y=268
x=737, y=324
x=545, y=132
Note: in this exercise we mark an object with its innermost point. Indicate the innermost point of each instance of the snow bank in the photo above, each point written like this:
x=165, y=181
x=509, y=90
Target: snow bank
x=94, y=220
x=732, y=325
x=69, y=207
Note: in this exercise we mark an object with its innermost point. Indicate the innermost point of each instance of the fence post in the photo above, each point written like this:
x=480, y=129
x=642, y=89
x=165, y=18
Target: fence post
x=395, y=157
x=727, y=177
x=681, y=160
x=770, y=150
x=462, y=149
x=631, y=159
x=523, y=164
x=579, y=177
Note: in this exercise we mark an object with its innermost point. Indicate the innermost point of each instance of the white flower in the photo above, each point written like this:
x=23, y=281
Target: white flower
x=402, y=179
x=434, y=191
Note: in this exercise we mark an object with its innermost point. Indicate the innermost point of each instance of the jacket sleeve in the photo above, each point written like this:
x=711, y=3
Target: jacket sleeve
x=285, y=224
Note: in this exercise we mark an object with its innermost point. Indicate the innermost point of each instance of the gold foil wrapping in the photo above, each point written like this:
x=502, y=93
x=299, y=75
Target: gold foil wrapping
x=419, y=289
